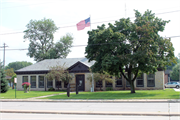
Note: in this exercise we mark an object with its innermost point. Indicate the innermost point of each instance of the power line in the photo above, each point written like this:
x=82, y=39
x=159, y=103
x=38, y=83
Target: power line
x=91, y=44
x=92, y=23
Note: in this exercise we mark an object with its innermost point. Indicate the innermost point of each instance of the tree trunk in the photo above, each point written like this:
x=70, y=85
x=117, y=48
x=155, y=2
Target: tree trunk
x=132, y=87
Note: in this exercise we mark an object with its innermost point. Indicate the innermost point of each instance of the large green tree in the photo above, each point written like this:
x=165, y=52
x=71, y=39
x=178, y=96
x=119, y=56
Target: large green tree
x=18, y=65
x=175, y=72
x=3, y=81
x=130, y=47
x=41, y=36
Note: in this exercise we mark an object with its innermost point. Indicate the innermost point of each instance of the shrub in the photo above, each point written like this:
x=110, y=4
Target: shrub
x=26, y=85
x=3, y=81
x=109, y=89
x=51, y=89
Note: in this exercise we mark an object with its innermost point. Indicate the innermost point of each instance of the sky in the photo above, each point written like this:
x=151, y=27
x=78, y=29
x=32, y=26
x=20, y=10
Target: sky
x=16, y=14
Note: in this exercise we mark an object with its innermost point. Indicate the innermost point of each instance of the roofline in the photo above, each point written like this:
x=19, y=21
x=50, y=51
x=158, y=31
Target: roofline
x=32, y=72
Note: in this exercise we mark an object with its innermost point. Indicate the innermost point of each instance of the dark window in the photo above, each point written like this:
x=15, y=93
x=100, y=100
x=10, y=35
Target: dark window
x=99, y=84
x=58, y=84
x=65, y=84
x=127, y=84
x=108, y=84
x=119, y=81
x=33, y=81
x=41, y=81
x=151, y=80
x=140, y=81
x=24, y=79
x=49, y=83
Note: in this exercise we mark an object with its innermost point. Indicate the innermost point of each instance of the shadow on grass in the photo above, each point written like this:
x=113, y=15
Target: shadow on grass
x=109, y=95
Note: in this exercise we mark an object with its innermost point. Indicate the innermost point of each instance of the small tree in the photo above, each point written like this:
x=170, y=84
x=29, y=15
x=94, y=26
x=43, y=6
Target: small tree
x=3, y=81
x=12, y=79
x=100, y=77
x=59, y=73
x=10, y=73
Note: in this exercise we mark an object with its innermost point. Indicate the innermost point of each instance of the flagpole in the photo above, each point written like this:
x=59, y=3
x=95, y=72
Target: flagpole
x=90, y=21
x=92, y=90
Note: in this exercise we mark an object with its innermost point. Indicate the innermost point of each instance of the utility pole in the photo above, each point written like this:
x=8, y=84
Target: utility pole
x=4, y=46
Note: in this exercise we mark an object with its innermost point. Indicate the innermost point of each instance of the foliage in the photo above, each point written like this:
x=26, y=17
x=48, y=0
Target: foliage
x=170, y=67
x=10, y=72
x=100, y=77
x=17, y=65
x=3, y=81
x=12, y=78
x=175, y=72
x=40, y=34
x=131, y=48
x=59, y=73
x=51, y=89
x=109, y=89
x=26, y=85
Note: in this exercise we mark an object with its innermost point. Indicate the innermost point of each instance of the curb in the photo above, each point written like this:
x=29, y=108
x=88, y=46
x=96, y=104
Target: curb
x=91, y=101
x=90, y=113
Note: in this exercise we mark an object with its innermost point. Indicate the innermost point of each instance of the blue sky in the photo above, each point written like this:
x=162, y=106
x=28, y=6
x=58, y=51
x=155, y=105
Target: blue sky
x=16, y=14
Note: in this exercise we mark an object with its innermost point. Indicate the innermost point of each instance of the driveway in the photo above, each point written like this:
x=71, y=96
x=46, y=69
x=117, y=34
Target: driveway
x=177, y=90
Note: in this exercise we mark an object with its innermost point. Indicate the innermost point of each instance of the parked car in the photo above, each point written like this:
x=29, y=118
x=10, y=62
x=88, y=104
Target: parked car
x=172, y=85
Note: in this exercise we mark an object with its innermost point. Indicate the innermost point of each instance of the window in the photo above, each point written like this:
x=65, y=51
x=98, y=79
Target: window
x=119, y=81
x=127, y=84
x=41, y=81
x=33, y=81
x=24, y=79
x=65, y=84
x=49, y=83
x=99, y=84
x=140, y=81
x=151, y=80
x=108, y=84
x=58, y=84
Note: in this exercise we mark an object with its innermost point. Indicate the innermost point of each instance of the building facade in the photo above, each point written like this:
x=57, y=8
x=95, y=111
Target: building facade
x=79, y=69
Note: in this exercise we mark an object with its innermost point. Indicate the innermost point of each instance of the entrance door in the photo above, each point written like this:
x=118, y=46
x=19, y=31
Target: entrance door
x=80, y=82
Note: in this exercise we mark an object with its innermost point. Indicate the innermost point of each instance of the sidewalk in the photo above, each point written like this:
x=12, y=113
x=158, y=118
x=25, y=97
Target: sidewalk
x=93, y=101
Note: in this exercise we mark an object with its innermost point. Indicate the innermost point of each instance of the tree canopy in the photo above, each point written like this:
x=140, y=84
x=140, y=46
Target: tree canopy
x=59, y=73
x=175, y=72
x=41, y=36
x=170, y=67
x=130, y=47
x=18, y=65
x=100, y=77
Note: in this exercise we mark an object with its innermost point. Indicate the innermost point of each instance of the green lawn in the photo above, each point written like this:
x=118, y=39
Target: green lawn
x=140, y=94
x=10, y=94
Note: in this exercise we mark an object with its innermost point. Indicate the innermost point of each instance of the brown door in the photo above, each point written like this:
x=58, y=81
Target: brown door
x=80, y=82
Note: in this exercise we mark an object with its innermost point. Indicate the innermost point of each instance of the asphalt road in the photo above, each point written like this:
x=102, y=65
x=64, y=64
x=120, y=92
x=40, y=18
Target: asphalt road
x=19, y=116
x=92, y=107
